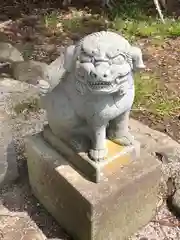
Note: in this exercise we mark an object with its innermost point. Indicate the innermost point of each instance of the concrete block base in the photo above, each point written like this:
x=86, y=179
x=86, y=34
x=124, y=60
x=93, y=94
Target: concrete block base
x=115, y=208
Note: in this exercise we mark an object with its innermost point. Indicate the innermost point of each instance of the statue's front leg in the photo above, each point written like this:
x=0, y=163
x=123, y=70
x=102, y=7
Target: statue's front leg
x=98, y=142
x=118, y=130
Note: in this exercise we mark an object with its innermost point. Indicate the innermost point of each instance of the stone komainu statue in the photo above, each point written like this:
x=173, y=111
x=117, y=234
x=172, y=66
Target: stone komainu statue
x=95, y=94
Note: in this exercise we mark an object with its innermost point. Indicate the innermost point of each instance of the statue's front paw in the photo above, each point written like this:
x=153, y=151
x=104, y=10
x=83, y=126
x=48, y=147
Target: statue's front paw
x=125, y=140
x=98, y=155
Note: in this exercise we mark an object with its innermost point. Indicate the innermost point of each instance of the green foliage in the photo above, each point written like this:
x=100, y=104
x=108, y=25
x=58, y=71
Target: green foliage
x=150, y=28
x=135, y=19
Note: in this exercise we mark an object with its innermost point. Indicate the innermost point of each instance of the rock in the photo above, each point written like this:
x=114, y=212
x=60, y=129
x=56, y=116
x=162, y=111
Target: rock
x=12, y=93
x=30, y=71
x=165, y=148
x=3, y=37
x=170, y=155
x=8, y=158
x=8, y=53
x=154, y=141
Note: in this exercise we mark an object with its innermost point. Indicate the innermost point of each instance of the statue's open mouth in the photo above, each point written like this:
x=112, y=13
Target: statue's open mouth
x=107, y=85
x=100, y=84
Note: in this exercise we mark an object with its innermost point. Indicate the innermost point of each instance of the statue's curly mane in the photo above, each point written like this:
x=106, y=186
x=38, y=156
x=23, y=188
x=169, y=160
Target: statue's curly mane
x=104, y=36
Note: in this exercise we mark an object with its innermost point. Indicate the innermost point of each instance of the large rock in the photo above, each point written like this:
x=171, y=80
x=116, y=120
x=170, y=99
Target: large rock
x=30, y=71
x=8, y=156
x=8, y=53
x=151, y=140
x=12, y=94
x=4, y=37
x=168, y=150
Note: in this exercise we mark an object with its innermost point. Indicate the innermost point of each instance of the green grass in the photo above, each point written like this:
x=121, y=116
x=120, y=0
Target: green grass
x=151, y=96
x=133, y=29
x=51, y=20
x=139, y=19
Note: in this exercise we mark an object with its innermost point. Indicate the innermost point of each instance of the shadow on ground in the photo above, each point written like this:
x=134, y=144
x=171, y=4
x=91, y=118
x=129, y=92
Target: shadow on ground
x=17, y=198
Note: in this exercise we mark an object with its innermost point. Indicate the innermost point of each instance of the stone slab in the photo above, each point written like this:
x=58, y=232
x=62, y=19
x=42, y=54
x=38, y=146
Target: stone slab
x=115, y=208
x=117, y=156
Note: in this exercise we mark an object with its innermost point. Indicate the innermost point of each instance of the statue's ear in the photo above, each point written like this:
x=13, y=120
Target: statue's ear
x=69, y=57
x=136, y=55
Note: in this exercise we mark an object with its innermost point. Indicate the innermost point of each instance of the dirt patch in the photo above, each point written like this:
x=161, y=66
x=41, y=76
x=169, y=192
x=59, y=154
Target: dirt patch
x=163, y=60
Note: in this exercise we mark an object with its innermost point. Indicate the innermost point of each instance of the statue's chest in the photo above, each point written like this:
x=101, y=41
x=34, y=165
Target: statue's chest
x=99, y=107
x=89, y=105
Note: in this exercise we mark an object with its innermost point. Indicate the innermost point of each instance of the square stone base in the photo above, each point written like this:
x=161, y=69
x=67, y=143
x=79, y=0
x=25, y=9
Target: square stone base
x=113, y=209
x=117, y=156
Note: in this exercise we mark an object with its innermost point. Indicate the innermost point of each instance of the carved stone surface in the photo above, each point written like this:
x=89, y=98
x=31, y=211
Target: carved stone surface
x=95, y=94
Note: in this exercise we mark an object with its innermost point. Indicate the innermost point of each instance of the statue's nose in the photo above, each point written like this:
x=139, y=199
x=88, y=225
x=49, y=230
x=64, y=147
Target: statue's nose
x=101, y=72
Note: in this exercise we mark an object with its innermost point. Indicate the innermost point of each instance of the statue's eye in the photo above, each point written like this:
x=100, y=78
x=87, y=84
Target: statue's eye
x=120, y=59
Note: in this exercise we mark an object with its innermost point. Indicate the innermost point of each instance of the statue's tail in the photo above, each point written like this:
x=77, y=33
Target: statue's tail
x=56, y=73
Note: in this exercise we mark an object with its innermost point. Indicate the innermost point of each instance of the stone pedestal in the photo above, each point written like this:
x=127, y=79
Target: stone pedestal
x=117, y=156
x=115, y=208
